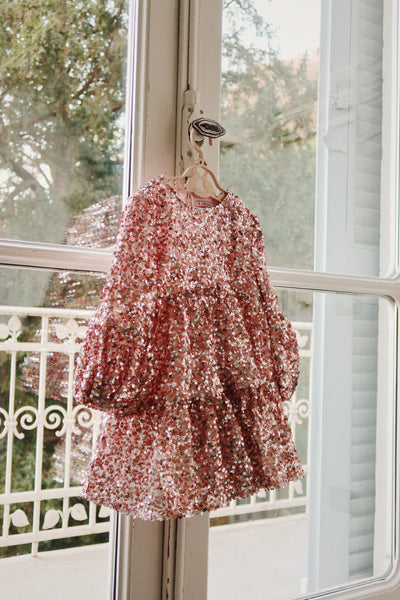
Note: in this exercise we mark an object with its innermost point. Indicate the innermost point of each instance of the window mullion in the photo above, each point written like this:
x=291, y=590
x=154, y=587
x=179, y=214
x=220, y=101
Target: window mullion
x=54, y=256
x=149, y=151
x=335, y=282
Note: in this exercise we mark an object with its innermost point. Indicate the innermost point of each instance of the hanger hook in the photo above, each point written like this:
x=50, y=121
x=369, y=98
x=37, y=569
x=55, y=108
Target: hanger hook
x=196, y=145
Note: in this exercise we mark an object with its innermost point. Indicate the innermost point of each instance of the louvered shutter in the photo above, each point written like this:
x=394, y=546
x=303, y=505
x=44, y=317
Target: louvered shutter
x=363, y=436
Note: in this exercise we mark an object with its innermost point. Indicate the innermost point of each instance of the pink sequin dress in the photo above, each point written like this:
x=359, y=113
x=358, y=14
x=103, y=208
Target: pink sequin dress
x=191, y=357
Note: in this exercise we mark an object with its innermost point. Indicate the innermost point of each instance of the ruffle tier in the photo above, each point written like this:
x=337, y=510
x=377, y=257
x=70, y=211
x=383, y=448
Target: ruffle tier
x=206, y=380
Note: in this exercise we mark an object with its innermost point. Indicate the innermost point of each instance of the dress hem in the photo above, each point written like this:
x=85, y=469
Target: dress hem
x=152, y=516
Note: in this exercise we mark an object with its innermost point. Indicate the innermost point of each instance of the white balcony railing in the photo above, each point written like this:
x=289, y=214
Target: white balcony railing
x=46, y=440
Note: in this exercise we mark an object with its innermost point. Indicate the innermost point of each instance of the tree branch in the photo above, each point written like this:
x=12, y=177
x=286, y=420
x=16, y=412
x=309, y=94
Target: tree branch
x=10, y=87
x=40, y=119
x=117, y=107
x=21, y=187
x=92, y=77
x=20, y=171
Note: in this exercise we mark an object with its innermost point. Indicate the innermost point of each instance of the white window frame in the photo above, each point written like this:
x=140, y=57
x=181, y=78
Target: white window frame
x=175, y=46
x=183, y=574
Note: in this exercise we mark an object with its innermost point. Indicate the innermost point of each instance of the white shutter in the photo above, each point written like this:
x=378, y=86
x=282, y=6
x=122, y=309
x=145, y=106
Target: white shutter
x=344, y=387
x=363, y=437
x=367, y=44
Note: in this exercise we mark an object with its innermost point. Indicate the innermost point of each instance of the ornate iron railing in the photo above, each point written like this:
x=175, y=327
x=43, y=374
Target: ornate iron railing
x=38, y=348
x=46, y=440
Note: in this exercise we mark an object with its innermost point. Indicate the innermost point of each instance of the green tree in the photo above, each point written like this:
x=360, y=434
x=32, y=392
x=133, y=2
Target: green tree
x=62, y=70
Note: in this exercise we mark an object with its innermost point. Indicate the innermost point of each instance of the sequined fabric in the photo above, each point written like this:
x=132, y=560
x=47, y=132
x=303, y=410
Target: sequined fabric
x=191, y=358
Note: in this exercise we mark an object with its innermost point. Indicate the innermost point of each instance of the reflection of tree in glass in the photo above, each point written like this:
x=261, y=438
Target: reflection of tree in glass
x=61, y=96
x=268, y=155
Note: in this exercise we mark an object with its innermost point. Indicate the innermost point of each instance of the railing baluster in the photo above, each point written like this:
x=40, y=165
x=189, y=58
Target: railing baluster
x=40, y=432
x=68, y=438
x=10, y=441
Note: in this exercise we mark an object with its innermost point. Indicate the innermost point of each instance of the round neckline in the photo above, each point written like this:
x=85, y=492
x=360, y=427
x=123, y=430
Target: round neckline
x=194, y=209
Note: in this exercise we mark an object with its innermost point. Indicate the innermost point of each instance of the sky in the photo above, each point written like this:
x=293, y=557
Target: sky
x=298, y=22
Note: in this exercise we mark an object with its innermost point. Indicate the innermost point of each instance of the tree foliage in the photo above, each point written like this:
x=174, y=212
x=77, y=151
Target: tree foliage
x=61, y=94
x=268, y=156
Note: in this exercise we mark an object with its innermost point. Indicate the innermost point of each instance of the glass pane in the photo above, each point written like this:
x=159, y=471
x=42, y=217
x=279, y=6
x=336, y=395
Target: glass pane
x=269, y=109
x=46, y=440
x=62, y=84
x=334, y=526
x=303, y=151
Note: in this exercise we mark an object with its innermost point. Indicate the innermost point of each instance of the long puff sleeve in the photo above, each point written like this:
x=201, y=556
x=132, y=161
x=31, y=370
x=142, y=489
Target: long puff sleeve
x=116, y=333
x=283, y=349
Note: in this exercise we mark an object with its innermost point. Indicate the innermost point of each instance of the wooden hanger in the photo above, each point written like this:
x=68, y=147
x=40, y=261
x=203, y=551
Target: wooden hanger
x=198, y=178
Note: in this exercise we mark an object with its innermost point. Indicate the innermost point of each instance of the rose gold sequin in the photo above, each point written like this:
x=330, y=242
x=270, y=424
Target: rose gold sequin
x=190, y=355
